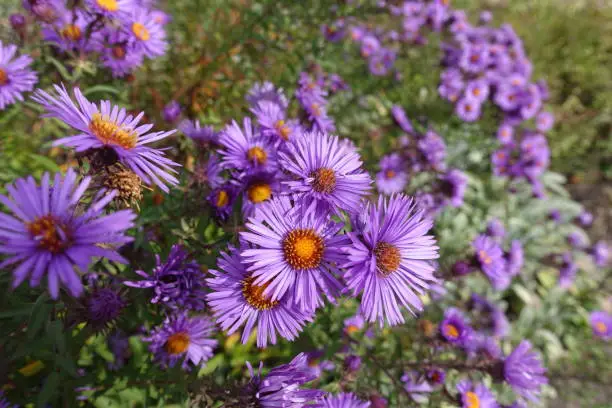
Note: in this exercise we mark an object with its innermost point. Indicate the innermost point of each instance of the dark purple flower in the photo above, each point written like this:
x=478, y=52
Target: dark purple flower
x=399, y=115
x=555, y=215
x=495, y=228
x=17, y=21
x=455, y=328
x=171, y=112
x=103, y=306
x=461, y=268
x=119, y=345
x=352, y=363
x=436, y=376
x=567, y=271
x=601, y=323
x=524, y=371
x=177, y=283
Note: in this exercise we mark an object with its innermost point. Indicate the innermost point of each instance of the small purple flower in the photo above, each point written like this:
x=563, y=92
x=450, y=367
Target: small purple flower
x=352, y=363
x=524, y=372
x=144, y=33
x=392, y=177
x=381, y=63
x=273, y=123
x=257, y=188
x=399, y=115
x=416, y=386
x=15, y=75
x=489, y=257
x=342, y=400
x=556, y=216
x=266, y=91
x=221, y=199
x=505, y=134
x=473, y=396
x=453, y=185
x=461, y=268
x=51, y=231
x=335, y=31
x=601, y=323
x=118, y=56
x=369, y=46
x=474, y=58
x=436, y=376
x=576, y=240
x=491, y=319
x=468, y=109
x=477, y=90
x=485, y=17
x=200, y=134
x=171, y=112
x=433, y=149
x=495, y=228
x=353, y=324
x=102, y=307
x=515, y=258
x=119, y=345
x=177, y=283
x=181, y=337
x=68, y=31
x=567, y=271
x=454, y=327
x=544, y=121
x=601, y=254
x=244, y=149
x=481, y=345
x=585, y=218
x=18, y=21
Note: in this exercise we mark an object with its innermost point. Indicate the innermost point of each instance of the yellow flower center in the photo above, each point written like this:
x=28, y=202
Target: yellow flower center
x=259, y=192
x=283, y=129
x=71, y=32
x=451, y=331
x=258, y=155
x=324, y=180
x=476, y=91
x=108, y=5
x=316, y=109
x=388, y=258
x=254, y=296
x=600, y=327
x=177, y=343
x=484, y=257
x=141, y=32
x=118, y=52
x=109, y=133
x=49, y=233
x=352, y=329
x=389, y=174
x=222, y=199
x=472, y=400
x=303, y=249
x=3, y=77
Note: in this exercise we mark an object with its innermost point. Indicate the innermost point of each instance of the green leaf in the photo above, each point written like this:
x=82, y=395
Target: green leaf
x=101, y=88
x=44, y=162
x=40, y=313
x=49, y=389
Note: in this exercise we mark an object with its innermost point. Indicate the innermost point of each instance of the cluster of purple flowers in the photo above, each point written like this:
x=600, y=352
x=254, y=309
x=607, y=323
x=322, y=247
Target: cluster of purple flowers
x=311, y=95
x=122, y=33
x=16, y=77
x=380, y=57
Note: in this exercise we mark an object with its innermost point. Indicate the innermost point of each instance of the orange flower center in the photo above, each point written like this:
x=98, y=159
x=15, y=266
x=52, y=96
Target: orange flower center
x=484, y=257
x=71, y=32
x=259, y=192
x=316, y=109
x=222, y=199
x=108, y=5
x=177, y=343
x=254, y=296
x=283, y=129
x=303, y=249
x=258, y=155
x=600, y=327
x=3, y=77
x=472, y=400
x=352, y=329
x=50, y=234
x=110, y=133
x=324, y=180
x=141, y=32
x=389, y=174
x=118, y=52
x=451, y=331
x=388, y=258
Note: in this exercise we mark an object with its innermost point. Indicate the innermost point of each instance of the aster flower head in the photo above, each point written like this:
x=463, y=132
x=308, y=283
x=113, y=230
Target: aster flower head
x=455, y=327
x=236, y=299
x=102, y=307
x=110, y=127
x=335, y=31
x=257, y=188
x=475, y=395
x=381, y=63
x=505, y=134
x=15, y=75
x=46, y=234
x=567, y=271
x=389, y=259
x=110, y=8
x=491, y=319
x=273, y=123
x=468, y=109
x=495, y=228
x=524, y=372
x=245, y=149
x=436, y=376
x=601, y=254
x=266, y=91
x=392, y=177
x=489, y=257
x=453, y=185
x=324, y=170
x=369, y=45
x=399, y=115
x=282, y=386
x=68, y=31
x=544, y=121
x=477, y=90
x=342, y=400
x=585, y=218
x=601, y=323
x=181, y=337
x=171, y=111
x=45, y=10
x=354, y=324
x=515, y=258
x=177, y=283
x=475, y=58
x=144, y=33
x=221, y=199
x=294, y=249
x=315, y=107
x=416, y=386
x=116, y=55
x=433, y=149
x=200, y=134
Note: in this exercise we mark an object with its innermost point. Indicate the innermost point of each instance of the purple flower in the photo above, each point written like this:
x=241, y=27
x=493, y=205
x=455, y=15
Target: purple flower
x=221, y=199
x=316, y=110
x=267, y=92
x=567, y=271
x=485, y=17
x=102, y=307
x=601, y=323
x=294, y=249
x=200, y=134
x=436, y=376
x=495, y=228
x=477, y=90
x=68, y=31
x=237, y=299
x=454, y=327
x=453, y=185
x=389, y=259
x=505, y=134
x=479, y=345
x=381, y=63
x=110, y=127
x=144, y=33
x=399, y=115
x=576, y=240
x=18, y=21
x=417, y=386
x=273, y=123
x=433, y=149
x=353, y=324
x=556, y=216
x=524, y=372
x=47, y=233
x=585, y=218
x=45, y=10
x=352, y=363
x=476, y=395
x=489, y=257
x=323, y=170
x=160, y=17
x=281, y=387
x=335, y=31
x=110, y=8
x=118, y=344
x=491, y=318
x=392, y=177
x=601, y=253
x=468, y=109
x=4, y=403
x=15, y=75
x=118, y=56
x=181, y=337
x=177, y=283
x=544, y=121
x=171, y=112
x=342, y=400
x=474, y=58
x=461, y=268
x=515, y=258
x=369, y=46
x=245, y=149
x=257, y=188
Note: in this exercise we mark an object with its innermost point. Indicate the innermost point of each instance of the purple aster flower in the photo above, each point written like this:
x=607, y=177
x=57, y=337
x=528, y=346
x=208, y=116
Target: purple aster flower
x=524, y=372
x=110, y=127
x=161, y=17
x=221, y=199
x=453, y=185
x=46, y=233
x=489, y=257
x=352, y=363
x=601, y=323
x=378, y=402
x=468, y=109
x=433, y=149
x=15, y=75
x=491, y=319
x=357, y=33
x=118, y=56
x=102, y=307
x=18, y=21
x=266, y=91
x=585, y=218
x=342, y=400
x=118, y=344
x=335, y=31
x=576, y=240
x=556, y=216
x=515, y=258
x=237, y=299
x=567, y=271
x=477, y=90
x=481, y=345
x=4, y=403
x=110, y=8
x=294, y=249
x=531, y=102
x=474, y=58
x=317, y=113
x=258, y=188
x=316, y=365
x=181, y=337
x=353, y=324
x=392, y=177
x=601, y=253
x=389, y=259
x=454, y=327
x=369, y=46
x=273, y=123
x=435, y=376
x=476, y=395
x=281, y=387
x=68, y=31
x=544, y=121
x=177, y=283
x=505, y=134
x=399, y=115
x=381, y=63
x=508, y=96
x=144, y=33
x=485, y=17
x=417, y=386
x=200, y=134
x=245, y=149
x=461, y=268
x=495, y=228
x=171, y=112
x=45, y=10
x=325, y=171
